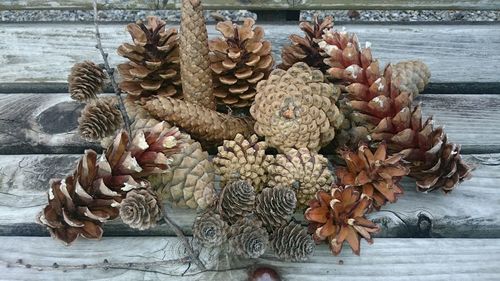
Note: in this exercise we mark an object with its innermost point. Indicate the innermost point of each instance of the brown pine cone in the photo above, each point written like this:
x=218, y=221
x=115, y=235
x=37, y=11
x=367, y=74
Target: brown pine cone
x=291, y=242
x=243, y=159
x=247, y=238
x=275, y=206
x=85, y=81
x=411, y=76
x=210, y=230
x=295, y=109
x=153, y=67
x=140, y=209
x=100, y=118
x=239, y=60
x=236, y=200
x=305, y=172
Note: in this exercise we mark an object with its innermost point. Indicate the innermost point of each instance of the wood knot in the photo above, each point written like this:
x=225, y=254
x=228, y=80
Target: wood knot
x=60, y=118
x=424, y=225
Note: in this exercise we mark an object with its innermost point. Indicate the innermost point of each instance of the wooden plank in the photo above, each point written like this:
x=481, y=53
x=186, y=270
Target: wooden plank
x=469, y=211
x=386, y=259
x=447, y=49
x=397, y=5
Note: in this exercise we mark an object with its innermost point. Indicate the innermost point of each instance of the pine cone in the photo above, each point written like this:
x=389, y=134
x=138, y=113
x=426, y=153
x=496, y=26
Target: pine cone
x=275, y=206
x=210, y=230
x=239, y=60
x=237, y=200
x=100, y=118
x=85, y=81
x=140, y=209
x=243, y=159
x=195, y=64
x=291, y=242
x=411, y=76
x=247, y=238
x=339, y=216
x=306, y=49
x=154, y=67
x=201, y=123
x=304, y=171
x=376, y=174
x=295, y=109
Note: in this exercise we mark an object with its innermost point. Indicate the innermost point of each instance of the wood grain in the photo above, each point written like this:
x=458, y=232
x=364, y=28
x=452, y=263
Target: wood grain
x=397, y=4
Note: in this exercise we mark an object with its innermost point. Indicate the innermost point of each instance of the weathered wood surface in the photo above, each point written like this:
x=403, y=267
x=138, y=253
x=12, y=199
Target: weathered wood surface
x=397, y=4
x=465, y=53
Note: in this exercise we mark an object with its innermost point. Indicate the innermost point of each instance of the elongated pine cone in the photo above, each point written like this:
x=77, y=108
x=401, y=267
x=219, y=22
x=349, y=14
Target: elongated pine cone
x=411, y=76
x=275, y=206
x=100, y=118
x=295, y=109
x=305, y=172
x=306, y=49
x=236, y=201
x=140, y=209
x=201, y=123
x=338, y=216
x=247, y=238
x=210, y=230
x=291, y=242
x=85, y=81
x=376, y=174
x=239, y=60
x=243, y=159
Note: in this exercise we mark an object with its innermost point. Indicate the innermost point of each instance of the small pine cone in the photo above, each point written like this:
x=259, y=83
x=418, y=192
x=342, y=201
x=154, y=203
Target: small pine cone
x=247, y=238
x=237, y=200
x=85, y=81
x=210, y=230
x=275, y=206
x=100, y=118
x=304, y=171
x=411, y=76
x=243, y=159
x=140, y=209
x=291, y=242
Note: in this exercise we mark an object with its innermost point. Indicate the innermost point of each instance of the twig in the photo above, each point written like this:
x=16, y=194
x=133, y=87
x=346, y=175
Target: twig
x=110, y=71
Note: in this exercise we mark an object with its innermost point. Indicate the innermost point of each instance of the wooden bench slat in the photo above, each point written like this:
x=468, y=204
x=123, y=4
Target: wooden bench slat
x=397, y=4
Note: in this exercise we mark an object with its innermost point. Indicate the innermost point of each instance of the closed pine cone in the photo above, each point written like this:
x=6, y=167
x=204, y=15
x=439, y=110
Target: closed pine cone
x=153, y=67
x=236, y=201
x=247, y=238
x=140, y=209
x=411, y=76
x=291, y=242
x=210, y=230
x=239, y=60
x=85, y=81
x=295, y=109
x=275, y=206
x=100, y=118
x=243, y=159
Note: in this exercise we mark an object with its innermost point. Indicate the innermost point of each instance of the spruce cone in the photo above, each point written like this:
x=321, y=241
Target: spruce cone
x=154, y=67
x=306, y=49
x=291, y=242
x=411, y=76
x=85, y=81
x=243, y=159
x=295, y=109
x=239, y=60
x=140, y=209
x=247, y=238
x=201, y=123
x=339, y=216
x=304, y=171
x=275, y=206
x=210, y=230
x=195, y=64
x=236, y=201
x=100, y=118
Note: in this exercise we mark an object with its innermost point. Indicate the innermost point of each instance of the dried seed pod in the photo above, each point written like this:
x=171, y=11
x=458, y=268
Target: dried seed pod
x=248, y=238
x=100, y=118
x=140, y=209
x=291, y=242
x=275, y=206
x=237, y=200
x=85, y=81
x=210, y=230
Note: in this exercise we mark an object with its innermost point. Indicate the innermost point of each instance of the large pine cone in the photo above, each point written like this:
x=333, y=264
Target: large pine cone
x=295, y=109
x=275, y=206
x=100, y=118
x=210, y=230
x=140, y=209
x=85, y=81
x=237, y=200
x=305, y=172
x=291, y=242
x=411, y=76
x=154, y=67
x=247, y=238
x=239, y=60
x=243, y=159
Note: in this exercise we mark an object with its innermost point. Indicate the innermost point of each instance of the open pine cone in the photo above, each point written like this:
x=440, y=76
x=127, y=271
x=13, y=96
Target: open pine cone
x=237, y=200
x=291, y=242
x=275, y=206
x=100, y=118
x=210, y=230
x=85, y=81
x=140, y=209
x=247, y=238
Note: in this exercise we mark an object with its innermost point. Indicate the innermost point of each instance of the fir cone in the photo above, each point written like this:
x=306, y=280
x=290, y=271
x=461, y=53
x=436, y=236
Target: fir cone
x=247, y=238
x=239, y=60
x=295, y=109
x=304, y=171
x=153, y=67
x=275, y=206
x=140, y=209
x=339, y=216
x=237, y=200
x=291, y=242
x=243, y=159
x=210, y=230
x=195, y=63
x=100, y=118
x=411, y=76
x=305, y=49
x=85, y=81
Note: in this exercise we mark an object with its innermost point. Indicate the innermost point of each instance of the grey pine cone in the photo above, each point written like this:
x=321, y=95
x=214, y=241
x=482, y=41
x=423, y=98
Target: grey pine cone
x=247, y=238
x=210, y=230
x=292, y=243
x=100, y=118
x=275, y=206
x=140, y=209
x=85, y=81
x=237, y=200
